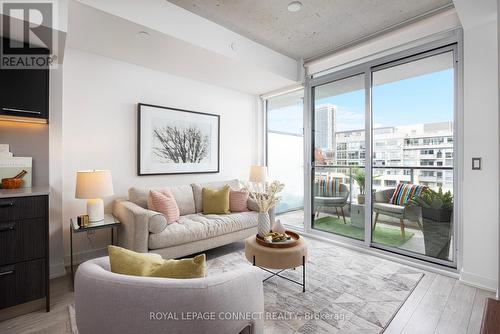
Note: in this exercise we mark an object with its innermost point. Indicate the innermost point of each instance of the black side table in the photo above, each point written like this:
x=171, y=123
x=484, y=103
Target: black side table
x=109, y=221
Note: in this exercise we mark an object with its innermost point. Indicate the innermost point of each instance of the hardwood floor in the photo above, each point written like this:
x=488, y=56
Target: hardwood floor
x=54, y=322
x=439, y=304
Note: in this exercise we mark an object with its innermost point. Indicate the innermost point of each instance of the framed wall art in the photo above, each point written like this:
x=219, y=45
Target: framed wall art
x=177, y=141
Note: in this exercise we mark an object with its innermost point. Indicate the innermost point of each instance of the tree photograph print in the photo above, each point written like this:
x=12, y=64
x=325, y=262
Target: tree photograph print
x=176, y=141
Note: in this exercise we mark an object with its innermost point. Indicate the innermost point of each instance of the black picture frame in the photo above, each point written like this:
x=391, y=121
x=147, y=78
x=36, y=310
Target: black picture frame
x=140, y=113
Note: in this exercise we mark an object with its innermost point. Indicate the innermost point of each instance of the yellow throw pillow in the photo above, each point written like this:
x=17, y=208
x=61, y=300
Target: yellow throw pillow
x=126, y=262
x=183, y=268
x=215, y=201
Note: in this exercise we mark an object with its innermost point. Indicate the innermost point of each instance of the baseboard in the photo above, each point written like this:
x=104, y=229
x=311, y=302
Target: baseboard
x=57, y=270
x=80, y=257
x=477, y=281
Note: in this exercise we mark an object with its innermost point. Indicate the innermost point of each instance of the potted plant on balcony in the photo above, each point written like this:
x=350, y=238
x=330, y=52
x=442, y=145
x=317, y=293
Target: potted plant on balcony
x=436, y=221
x=359, y=176
x=436, y=205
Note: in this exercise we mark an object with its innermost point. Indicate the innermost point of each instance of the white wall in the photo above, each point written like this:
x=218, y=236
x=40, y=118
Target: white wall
x=480, y=188
x=100, y=123
x=55, y=173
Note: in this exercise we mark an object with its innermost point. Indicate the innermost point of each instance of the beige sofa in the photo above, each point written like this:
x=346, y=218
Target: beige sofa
x=143, y=230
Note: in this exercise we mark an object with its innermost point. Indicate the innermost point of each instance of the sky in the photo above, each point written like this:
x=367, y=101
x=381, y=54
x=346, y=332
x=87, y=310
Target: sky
x=421, y=99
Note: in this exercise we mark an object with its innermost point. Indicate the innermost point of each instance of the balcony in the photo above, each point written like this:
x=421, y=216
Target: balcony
x=421, y=235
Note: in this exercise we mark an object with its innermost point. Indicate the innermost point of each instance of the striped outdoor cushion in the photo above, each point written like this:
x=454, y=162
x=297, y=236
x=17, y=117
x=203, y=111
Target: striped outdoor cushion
x=326, y=186
x=404, y=192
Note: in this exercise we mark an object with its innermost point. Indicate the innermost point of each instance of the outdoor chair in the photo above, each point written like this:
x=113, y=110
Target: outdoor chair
x=382, y=205
x=330, y=193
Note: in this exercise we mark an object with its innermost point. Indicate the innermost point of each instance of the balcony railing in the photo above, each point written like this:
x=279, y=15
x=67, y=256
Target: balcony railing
x=404, y=174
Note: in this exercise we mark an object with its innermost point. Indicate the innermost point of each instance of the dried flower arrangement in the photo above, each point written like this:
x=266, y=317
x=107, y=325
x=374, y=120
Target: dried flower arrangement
x=265, y=195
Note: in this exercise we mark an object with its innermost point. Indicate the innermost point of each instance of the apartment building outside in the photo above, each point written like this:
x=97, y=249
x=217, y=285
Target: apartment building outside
x=415, y=147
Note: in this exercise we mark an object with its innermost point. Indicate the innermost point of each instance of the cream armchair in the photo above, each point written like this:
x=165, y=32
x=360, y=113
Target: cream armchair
x=383, y=206
x=111, y=303
x=335, y=201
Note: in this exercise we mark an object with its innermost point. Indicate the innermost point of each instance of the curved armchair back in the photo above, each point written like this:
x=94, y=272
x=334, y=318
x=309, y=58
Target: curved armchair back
x=106, y=302
x=384, y=196
x=330, y=187
x=344, y=191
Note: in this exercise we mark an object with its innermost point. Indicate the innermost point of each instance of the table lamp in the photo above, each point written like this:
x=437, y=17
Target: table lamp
x=258, y=175
x=92, y=185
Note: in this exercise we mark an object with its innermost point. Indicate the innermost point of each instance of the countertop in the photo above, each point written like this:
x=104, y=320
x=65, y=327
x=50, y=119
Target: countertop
x=24, y=192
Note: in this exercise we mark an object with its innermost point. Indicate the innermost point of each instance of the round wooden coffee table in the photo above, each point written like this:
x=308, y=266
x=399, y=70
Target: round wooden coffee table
x=278, y=258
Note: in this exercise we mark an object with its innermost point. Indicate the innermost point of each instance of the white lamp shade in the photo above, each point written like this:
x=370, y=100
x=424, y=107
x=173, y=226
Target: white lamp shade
x=258, y=174
x=91, y=184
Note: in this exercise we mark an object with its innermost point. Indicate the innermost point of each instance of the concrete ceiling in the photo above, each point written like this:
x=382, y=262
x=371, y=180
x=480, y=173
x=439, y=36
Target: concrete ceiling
x=320, y=26
x=161, y=36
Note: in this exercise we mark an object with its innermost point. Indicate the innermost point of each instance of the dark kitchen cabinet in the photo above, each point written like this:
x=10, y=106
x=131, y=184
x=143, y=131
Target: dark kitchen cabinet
x=24, y=245
x=25, y=92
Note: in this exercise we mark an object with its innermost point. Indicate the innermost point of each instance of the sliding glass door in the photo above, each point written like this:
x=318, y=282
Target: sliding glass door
x=384, y=154
x=413, y=146
x=339, y=157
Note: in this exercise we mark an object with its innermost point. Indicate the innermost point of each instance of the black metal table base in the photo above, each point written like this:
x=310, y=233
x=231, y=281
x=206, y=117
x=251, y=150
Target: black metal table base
x=277, y=274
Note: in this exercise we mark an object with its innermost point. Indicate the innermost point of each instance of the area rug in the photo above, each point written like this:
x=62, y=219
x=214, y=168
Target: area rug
x=382, y=235
x=347, y=292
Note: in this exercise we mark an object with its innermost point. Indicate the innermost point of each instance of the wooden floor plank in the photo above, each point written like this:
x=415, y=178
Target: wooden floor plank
x=426, y=317
x=457, y=312
x=406, y=311
x=477, y=311
x=491, y=317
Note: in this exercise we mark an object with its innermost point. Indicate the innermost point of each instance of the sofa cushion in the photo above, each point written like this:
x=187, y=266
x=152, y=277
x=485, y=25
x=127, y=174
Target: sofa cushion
x=164, y=203
x=198, y=187
x=216, y=201
x=198, y=227
x=404, y=192
x=157, y=223
x=238, y=200
x=184, y=268
x=183, y=196
x=126, y=262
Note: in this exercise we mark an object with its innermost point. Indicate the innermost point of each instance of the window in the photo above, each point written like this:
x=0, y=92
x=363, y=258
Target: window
x=426, y=162
x=285, y=144
x=390, y=183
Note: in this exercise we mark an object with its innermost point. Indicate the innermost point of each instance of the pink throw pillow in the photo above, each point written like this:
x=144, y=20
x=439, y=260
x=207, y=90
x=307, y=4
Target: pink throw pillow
x=238, y=201
x=164, y=203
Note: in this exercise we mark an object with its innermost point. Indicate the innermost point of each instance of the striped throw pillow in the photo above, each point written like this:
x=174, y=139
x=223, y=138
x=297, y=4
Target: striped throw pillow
x=404, y=192
x=164, y=203
x=238, y=201
x=327, y=186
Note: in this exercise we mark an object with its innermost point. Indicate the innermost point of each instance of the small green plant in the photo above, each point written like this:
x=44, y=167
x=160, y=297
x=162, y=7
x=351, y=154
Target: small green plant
x=434, y=199
x=359, y=176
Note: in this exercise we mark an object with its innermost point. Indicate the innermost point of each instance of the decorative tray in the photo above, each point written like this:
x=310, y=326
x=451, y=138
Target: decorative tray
x=294, y=239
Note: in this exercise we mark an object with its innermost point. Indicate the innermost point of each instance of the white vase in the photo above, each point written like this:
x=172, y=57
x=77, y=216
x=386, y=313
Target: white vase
x=263, y=224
